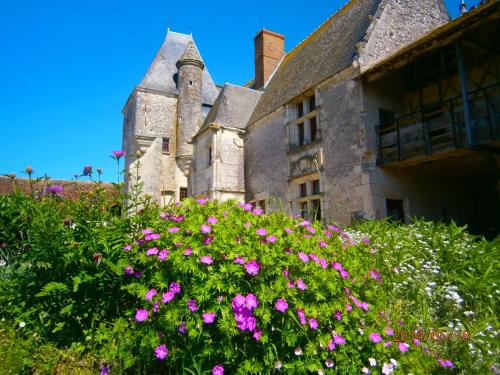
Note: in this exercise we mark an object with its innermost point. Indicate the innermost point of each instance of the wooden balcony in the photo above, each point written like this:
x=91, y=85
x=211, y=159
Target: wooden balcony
x=441, y=129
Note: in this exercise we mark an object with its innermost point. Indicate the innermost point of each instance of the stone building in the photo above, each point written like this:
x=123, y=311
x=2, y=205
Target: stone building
x=388, y=109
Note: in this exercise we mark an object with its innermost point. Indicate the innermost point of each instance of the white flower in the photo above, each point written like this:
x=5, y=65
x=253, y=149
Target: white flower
x=394, y=363
x=364, y=370
x=387, y=369
x=22, y=325
x=373, y=362
x=320, y=372
x=278, y=365
x=329, y=363
x=298, y=350
x=2, y=262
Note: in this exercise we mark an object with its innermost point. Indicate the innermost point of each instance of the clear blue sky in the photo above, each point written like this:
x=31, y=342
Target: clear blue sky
x=67, y=66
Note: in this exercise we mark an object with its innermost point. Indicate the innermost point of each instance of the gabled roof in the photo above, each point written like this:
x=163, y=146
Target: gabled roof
x=233, y=107
x=325, y=52
x=160, y=75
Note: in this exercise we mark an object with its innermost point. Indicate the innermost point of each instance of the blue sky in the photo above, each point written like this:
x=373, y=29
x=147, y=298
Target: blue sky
x=67, y=67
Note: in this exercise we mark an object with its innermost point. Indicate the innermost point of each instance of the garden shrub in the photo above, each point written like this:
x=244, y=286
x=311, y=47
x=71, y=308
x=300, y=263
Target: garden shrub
x=210, y=287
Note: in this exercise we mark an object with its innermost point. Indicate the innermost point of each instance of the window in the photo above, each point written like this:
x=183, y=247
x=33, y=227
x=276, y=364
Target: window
x=316, y=209
x=183, y=193
x=300, y=110
x=312, y=103
x=303, y=190
x=300, y=128
x=165, y=145
x=209, y=156
x=315, y=187
x=395, y=210
x=314, y=128
x=303, y=210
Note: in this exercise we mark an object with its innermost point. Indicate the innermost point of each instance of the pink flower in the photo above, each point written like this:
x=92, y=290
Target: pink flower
x=403, y=347
x=261, y=231
x=322, y=244
x=344, y=274
x=205, y=229
x=152, y=251
x=218, y=370
x=339, y=340
x=188, y=251
x=334, y=229
x=161, y=352
x=174, y=230
x=288, y=230
x=207, y=259
x=291, y=284
x=303, y=257
x=375, y=275
x=337, y=266
x=153, y=236
x=271, y=239
x=446, y=363
x=208, y=318
x=375, y=337
x=326, y=233
x=304, y=223
x=281, y=305
x=147, y=231
x=252, y=267
x=251, y=301
x=239, y=260
x=208, y=240
x=247, y=206
x=302, y=316
x=247, y=225
x=301, y=284
x=127, y=248
x=167, y=297
x=348, y=307
x=129, y=270
x=202, y=201
x=212, y=220
x=310, y=229
x=313, y=324
x=338, y=315
x=141, y=315
x=331, y=345
x=118, y=154
x=323, y=263
x=257, y=334
x=178, y=218
x=258, y=211
x=387, y=343
x=389, y=331
x=150, y=294
x=163, y=255
x=174, y=288
x=192, y=305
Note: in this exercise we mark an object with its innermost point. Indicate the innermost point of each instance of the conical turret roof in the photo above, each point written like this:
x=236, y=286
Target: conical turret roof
x=191, y=56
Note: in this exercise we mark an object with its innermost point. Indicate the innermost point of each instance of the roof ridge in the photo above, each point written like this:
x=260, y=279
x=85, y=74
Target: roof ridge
x=316, y=31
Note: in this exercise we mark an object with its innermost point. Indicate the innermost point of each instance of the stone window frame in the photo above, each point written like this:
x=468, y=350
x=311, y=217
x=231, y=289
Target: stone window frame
x=297, y=201
x=293, y=121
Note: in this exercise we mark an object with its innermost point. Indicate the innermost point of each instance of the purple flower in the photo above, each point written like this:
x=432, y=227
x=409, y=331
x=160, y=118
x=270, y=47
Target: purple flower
x=446, y=363
x=192, y=305
x=174, y=230
x=403, y=347
x=338, y=315
x=156, y=307
x=261, y=231
x=87, y=170
x=375, y=275
x=161, y=352
x=339, y=340
x=348, y=307
x=218, y=370
x=288, y=230
x=208, y=240
x=301, y=284
x=127, y=248
x=205, y=229
x=310, y=229
x=174, y=288
x=271, y=239
x=207, y=259
x=313, y=324
x=344, y=274
x=302, y=316
x=258, y=211
x=281, y=305
x=387, y=343
x=150, y=294
x=337, y=266
x=152, y=251
x=118, y=154
x=305, y=223
x=163, y=255
x=257, y=334
x=323, y=263
x=212, y=220
x=202, y=201
x=138, y=275
x=104, y=371
x=167, y=297
x=375, y=337
x=182, y=328
x=334, y=229
x=252, y=267
x=248, y=206
x=188, y=251
x=322, y=244
x=141, y=315
x=239, y=260
x=238, y=303
x=303, y=257
x=389, y=331
x=331, y=345
x=208, y=318
x=247, y=225
x=129, y=270
x=251, y=301
x=291, y=284
x=153, y=236
x=54, y=189
x=178, y=218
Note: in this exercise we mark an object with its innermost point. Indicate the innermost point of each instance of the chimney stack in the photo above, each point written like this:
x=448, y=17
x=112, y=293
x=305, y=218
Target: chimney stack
x=269, y=50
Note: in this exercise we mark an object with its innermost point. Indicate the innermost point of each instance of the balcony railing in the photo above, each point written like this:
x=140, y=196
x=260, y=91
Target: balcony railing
x=421, y=134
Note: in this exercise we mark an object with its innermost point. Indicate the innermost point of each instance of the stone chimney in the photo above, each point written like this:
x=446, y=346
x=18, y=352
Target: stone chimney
x=269, y=50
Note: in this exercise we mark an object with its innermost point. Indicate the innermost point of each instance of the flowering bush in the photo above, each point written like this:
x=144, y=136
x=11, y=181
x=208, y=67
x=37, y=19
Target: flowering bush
x=221, y=288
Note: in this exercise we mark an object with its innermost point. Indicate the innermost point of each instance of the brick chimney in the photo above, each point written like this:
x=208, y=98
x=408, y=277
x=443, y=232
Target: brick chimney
x=269, y=49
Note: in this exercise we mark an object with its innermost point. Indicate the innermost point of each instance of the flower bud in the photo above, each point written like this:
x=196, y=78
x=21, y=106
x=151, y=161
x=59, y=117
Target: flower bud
x=29, y=170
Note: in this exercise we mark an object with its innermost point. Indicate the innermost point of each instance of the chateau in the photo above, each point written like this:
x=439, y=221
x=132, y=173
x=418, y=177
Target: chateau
x=388, y=109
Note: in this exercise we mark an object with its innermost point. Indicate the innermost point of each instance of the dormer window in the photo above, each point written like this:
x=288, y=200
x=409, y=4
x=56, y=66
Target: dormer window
x=303, y=126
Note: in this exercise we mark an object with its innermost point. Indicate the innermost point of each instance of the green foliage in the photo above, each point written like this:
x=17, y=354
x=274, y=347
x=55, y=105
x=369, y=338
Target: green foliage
x=69, y=286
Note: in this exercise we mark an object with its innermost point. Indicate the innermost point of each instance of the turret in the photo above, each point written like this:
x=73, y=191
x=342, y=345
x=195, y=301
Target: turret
x=190, y=78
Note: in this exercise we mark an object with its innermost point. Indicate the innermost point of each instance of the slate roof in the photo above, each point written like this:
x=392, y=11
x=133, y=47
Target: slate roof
x=233, y=107
x=325, y=52
x=160, y=75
